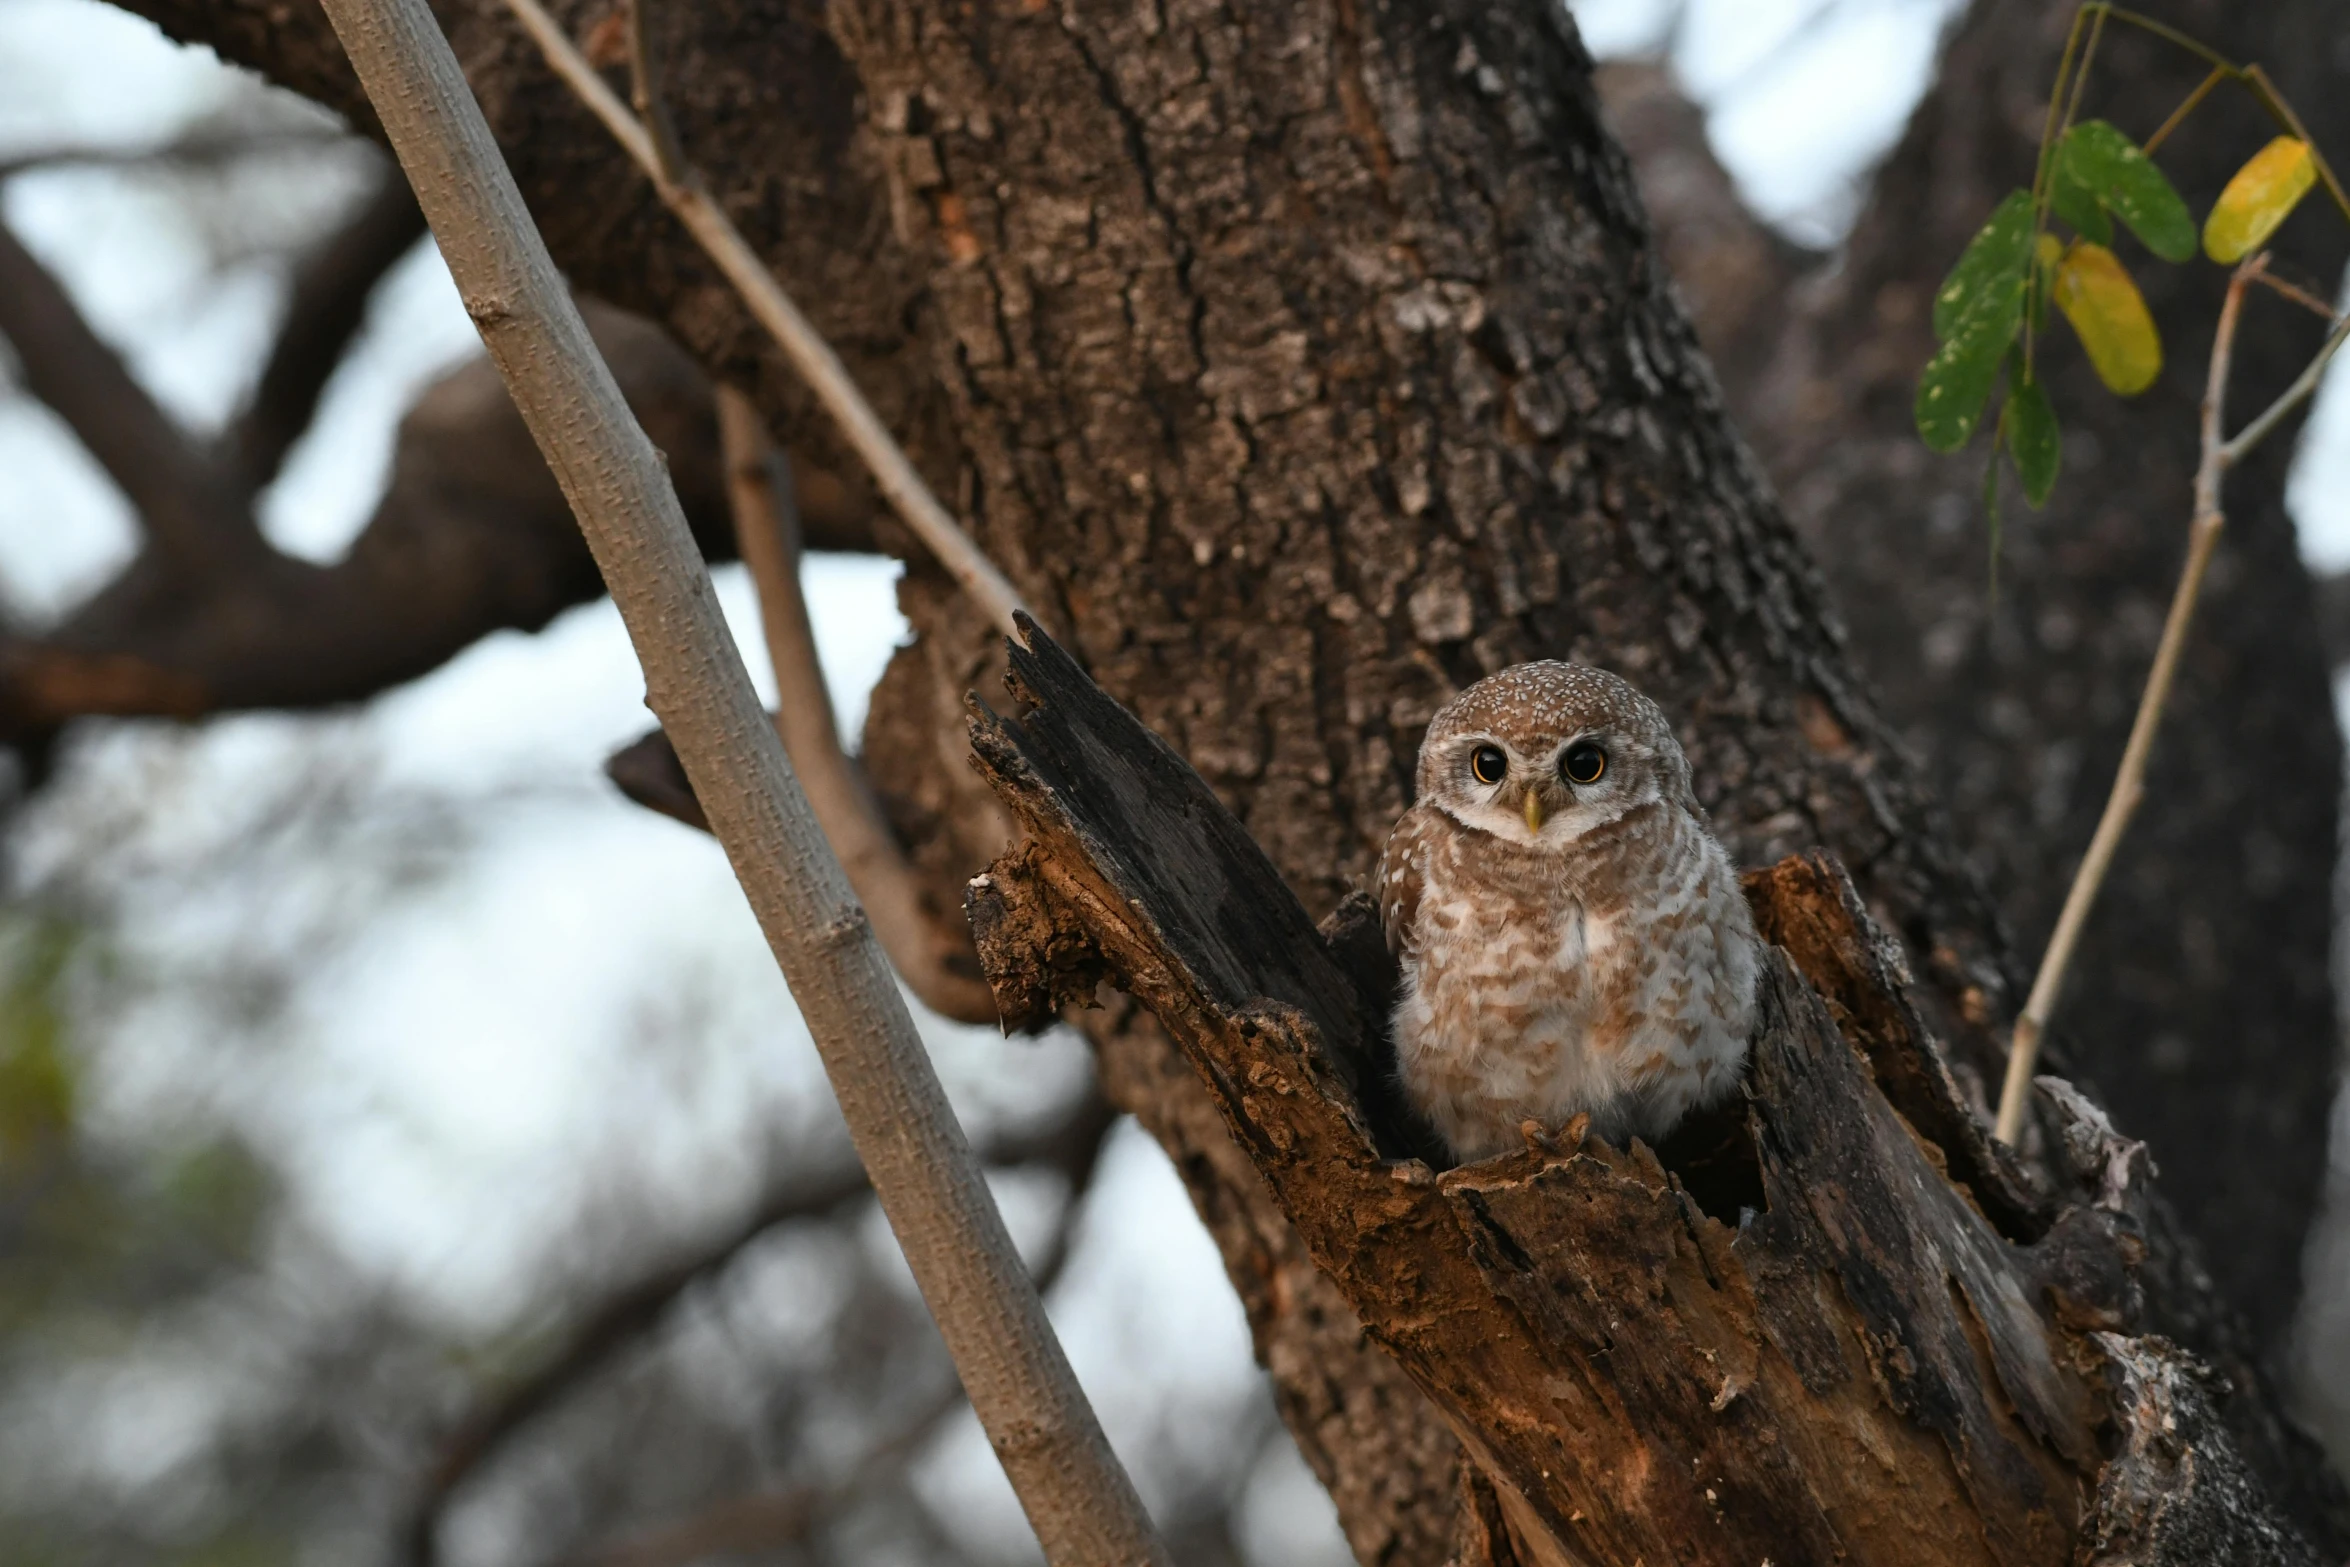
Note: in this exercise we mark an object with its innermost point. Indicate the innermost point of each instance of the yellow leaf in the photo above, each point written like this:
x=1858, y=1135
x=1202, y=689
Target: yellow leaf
x=2261, y=196
x=2096, y=294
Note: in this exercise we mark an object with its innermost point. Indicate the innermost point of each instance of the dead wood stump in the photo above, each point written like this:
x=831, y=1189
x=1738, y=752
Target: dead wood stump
x=1837, y=1325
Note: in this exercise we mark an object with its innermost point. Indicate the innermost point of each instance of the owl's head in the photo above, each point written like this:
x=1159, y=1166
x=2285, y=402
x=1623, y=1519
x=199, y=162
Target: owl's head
x=1543, y=753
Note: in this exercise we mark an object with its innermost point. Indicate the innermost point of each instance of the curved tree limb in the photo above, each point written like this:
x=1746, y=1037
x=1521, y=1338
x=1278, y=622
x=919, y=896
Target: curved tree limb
x=191, y=513
x=1079, y=1500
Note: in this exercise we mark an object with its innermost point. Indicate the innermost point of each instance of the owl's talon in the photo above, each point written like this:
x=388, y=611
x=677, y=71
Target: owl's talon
x=1536, y=1134
x=1577, y=1129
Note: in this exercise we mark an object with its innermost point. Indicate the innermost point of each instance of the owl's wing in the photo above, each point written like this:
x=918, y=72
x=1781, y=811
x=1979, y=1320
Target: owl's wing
x=1402, y=869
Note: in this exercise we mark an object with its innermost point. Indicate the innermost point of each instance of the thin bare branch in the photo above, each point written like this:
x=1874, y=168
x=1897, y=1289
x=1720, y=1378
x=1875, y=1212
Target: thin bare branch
x=189, y=510
x=936, y=961
x=329, y=305
x=2129, y=781
x=758, y=1520
x=1078, y=1498
x=622, y=1320
x=809, y=354
x=644, y=75
x=2303, y=388
x=2297, y=294
x=764, y=1520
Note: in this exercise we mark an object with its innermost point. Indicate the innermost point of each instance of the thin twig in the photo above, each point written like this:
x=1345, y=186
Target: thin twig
x=1079, y=1500
x=621, y=1320
x=2293, y=397
x=810, y=355
x=2129, y=782
x=2297, y=294
x=2044, y=172
x=2178, y=116
x=652, y=110
x=766, y=528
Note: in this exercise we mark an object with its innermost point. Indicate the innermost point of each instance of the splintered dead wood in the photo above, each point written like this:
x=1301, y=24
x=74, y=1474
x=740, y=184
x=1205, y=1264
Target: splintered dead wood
x=1840, y=1325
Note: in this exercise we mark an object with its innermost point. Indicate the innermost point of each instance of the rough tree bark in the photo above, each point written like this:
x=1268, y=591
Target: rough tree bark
x=1308, y=362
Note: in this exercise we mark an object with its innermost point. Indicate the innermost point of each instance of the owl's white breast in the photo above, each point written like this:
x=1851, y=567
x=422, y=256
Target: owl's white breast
x=1532, y=993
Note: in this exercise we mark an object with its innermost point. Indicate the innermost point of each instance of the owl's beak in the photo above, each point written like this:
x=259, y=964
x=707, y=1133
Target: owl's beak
x=1534, y=810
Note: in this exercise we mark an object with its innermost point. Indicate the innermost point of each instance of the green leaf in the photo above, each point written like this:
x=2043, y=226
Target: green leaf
x=2101, y=300
x=2262, y=195
x=2033, y=436
x=2125, y=182
x=1995, y=257
x=2077, y=204
x=1957, y=381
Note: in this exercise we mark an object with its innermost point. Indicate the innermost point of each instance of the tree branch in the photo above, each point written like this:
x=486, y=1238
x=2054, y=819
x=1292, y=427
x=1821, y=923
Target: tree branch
x=329, y=305
x=2219, y=454
x=801, y=343
x=471, y=536
x=1078, y=1498
x=183, y=500
x=935, y=960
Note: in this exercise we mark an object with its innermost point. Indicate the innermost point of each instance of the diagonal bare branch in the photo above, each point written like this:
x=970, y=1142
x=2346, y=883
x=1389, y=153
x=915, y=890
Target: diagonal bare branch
x=1077, y=1495
x=189, y=510
x=644, y=71
x=775, y=310
x=769, y=1519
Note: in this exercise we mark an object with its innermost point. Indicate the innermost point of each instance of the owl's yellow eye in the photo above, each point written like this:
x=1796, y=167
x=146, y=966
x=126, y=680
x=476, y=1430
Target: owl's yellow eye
x=1584, y=763
x=1488, y=765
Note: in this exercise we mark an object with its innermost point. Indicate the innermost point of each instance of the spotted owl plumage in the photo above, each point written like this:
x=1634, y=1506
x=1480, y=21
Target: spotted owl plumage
x=1572, y=937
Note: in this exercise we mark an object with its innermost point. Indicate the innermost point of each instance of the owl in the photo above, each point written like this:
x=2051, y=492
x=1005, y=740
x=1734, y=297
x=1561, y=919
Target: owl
x=1572, y=937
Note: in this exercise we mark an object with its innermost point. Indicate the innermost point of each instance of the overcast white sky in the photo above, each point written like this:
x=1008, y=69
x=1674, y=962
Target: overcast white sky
x=575, y=1016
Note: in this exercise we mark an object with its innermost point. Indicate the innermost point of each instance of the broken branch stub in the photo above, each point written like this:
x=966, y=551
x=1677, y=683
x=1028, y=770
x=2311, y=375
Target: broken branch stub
x=1838, y=1325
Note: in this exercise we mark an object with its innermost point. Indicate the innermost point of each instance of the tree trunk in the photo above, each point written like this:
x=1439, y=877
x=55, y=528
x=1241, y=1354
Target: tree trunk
x=1304, y=364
